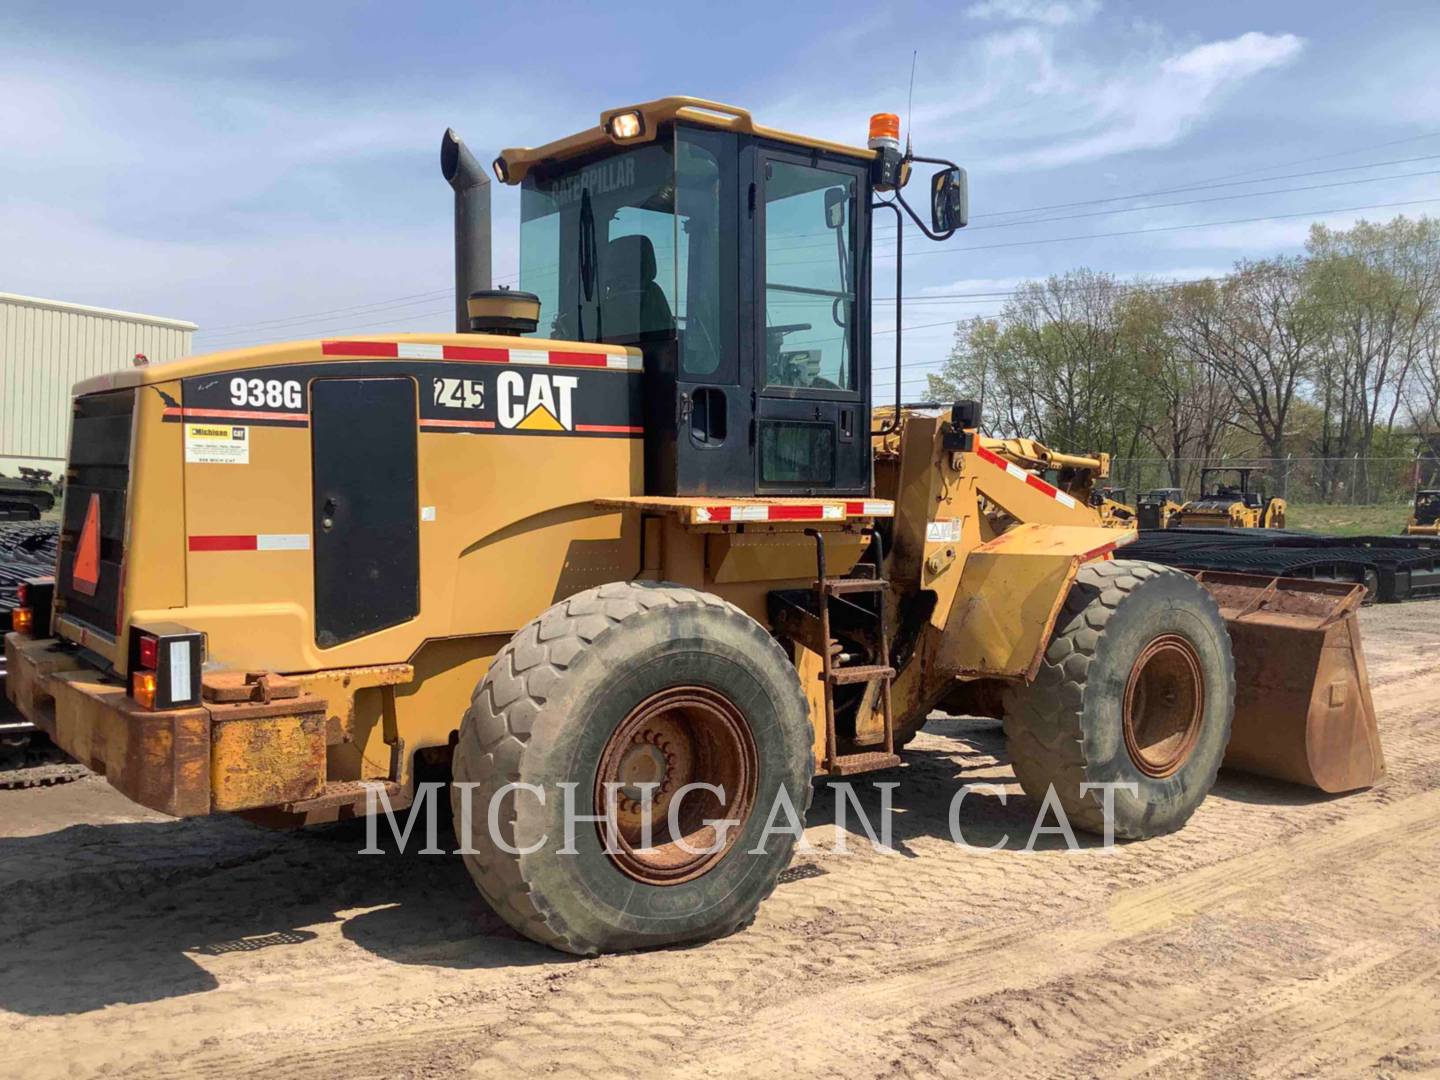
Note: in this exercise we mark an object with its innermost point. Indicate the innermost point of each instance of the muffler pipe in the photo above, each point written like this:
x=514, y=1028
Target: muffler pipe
x=472, y=222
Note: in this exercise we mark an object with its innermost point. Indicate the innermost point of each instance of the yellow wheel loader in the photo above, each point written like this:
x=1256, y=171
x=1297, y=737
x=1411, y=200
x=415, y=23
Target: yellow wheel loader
x=633, y=548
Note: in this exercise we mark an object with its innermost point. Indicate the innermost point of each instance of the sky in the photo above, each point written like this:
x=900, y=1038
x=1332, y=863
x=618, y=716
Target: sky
x=270, y=171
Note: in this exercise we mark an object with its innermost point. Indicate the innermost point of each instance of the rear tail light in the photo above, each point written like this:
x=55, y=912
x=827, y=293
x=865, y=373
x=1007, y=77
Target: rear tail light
x=32, y=616
x=165, y=661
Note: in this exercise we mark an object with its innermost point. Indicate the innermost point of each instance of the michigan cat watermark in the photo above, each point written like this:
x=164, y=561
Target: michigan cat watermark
x=634, y=819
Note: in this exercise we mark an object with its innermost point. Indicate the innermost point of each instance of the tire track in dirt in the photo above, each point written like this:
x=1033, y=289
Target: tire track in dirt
x=1250, y=941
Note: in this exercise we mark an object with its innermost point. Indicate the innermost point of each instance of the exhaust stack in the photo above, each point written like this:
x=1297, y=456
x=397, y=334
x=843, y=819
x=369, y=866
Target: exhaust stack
x=472, y=223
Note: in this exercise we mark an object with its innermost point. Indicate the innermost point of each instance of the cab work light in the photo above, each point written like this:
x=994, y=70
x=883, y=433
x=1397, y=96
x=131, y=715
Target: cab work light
x=626, y=125
x=165, y=661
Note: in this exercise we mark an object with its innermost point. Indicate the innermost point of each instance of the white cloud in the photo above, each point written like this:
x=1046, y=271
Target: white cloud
x=1028, y=97
x=1156, y=104
x=1235, y=58
x=1046, y=12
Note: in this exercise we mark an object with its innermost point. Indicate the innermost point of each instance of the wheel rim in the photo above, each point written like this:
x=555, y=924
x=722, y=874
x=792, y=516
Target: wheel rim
x=1164, y=705
x=683, y=735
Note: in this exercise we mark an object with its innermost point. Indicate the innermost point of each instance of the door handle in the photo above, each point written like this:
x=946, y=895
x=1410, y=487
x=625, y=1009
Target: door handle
x=327, y=515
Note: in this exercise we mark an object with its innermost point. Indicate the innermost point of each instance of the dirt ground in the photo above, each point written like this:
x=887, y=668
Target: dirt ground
x=1281, y=933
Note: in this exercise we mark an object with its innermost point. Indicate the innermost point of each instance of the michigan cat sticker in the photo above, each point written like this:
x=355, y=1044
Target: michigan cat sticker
x=217, y=444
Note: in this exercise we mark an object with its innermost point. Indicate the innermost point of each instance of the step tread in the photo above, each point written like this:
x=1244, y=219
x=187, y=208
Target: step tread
x=849, y=764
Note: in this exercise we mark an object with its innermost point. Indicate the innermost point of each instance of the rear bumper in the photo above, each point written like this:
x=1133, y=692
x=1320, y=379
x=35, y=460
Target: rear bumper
x=183, y=762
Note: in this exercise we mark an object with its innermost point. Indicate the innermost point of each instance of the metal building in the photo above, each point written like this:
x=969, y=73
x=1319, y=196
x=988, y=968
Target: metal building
x=46, y=346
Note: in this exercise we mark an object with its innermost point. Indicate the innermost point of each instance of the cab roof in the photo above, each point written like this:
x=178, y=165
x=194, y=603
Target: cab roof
x=513, y=163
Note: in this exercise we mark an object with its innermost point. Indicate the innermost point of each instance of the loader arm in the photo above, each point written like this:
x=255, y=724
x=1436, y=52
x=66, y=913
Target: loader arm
x=994, y=544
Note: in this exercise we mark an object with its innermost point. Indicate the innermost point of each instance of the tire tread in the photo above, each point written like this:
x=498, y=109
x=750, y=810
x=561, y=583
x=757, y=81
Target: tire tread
x=497, y=728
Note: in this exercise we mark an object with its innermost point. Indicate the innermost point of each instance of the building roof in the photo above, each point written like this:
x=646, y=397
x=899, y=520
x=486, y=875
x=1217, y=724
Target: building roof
x=85, y=309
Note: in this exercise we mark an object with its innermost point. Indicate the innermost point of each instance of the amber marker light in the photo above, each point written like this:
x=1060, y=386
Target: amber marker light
x=885, y=131
x=142, y=688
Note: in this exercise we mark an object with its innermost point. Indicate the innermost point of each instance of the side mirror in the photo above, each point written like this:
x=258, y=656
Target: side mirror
x=835, y=207
x=949, y=200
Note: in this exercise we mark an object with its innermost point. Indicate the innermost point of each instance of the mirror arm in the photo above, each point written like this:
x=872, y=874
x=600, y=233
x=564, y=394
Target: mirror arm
x=927, y=161
x=933, y=161
x=916, y=217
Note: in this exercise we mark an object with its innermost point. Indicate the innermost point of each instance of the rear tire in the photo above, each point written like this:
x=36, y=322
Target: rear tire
x=573, y=699
x=1137, y=686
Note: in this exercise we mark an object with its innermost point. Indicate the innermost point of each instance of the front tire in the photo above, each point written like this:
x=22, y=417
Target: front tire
x=1137, y=687
x=629, y=684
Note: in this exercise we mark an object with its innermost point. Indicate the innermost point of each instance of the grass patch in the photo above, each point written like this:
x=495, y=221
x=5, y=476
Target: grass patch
x=1341, y=520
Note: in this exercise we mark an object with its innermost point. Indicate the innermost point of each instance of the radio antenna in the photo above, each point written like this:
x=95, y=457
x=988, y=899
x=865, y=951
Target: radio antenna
x=910, y=102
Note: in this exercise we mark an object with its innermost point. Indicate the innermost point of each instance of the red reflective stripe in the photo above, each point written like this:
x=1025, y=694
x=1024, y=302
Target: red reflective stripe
x=986, y=455
x=360, y=348
x=1040, y=485
x=426, y=421
x=854, y=509
x=477, y=352
x=1103, y=549
x=223, y=543
x=612, y=429
x=578, y=359
x=243, y=414
x=795, y=513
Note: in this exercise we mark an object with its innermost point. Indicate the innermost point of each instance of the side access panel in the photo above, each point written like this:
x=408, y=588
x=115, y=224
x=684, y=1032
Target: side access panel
x=366, y=510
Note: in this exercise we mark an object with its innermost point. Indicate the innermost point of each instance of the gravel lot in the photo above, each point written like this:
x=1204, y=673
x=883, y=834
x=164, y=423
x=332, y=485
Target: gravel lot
x=1281, y=933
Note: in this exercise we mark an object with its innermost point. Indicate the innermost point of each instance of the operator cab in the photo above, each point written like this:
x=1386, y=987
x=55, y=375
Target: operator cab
x=1236, y=491
x=1427, y=506
x=737, y=259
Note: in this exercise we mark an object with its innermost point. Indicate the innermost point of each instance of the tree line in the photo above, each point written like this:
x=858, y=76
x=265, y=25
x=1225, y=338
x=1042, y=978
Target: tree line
x=1325, y=365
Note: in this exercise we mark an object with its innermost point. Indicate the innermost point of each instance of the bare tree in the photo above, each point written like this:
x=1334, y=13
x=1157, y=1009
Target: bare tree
x=1255, y=331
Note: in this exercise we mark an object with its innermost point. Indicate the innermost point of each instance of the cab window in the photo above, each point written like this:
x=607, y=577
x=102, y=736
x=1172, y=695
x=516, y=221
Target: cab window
x=809, y=277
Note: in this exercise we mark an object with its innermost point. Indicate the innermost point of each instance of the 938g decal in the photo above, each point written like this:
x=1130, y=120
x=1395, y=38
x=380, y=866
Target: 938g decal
x=451, y=397
x=267, y=393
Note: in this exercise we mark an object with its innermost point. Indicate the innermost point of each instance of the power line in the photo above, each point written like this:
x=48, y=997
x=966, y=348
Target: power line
x=1175, y=228
x=394, y=301
x=408, y=300
x=1123, y=210
x=240, y=329
x=1204, y=186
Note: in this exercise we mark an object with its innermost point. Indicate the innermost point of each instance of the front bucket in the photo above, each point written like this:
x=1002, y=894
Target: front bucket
x=1303, y=710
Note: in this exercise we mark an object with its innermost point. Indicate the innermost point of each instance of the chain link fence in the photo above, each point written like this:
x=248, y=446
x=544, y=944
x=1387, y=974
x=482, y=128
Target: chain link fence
x=1353, y=480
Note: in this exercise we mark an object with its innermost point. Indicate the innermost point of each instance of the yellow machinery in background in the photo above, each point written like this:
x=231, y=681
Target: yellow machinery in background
x=1158, y=508
x=1237, y=505
x=1425, y=520
x=633, y=548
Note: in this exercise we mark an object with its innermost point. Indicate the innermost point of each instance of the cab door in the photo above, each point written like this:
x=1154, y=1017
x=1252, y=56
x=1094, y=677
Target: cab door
x=810, y=329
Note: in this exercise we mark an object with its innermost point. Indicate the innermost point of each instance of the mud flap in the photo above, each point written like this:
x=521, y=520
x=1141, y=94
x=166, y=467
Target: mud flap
x=1303, y=710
